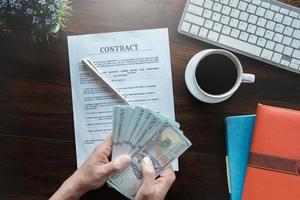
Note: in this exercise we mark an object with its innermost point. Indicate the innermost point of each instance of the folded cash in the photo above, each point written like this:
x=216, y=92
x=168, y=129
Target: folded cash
x=141, y=132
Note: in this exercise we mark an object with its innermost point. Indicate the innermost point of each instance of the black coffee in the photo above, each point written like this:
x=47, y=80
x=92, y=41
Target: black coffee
x=216, y=74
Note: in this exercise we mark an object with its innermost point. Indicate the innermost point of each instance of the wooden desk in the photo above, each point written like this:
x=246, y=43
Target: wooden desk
x=37, y=150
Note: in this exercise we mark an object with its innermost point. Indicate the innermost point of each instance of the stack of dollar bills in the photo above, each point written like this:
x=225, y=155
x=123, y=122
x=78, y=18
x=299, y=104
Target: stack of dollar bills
x=141, y=132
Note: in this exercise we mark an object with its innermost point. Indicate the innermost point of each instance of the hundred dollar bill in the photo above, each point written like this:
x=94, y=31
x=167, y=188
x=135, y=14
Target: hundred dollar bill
x=137, y=117
x=166, y=145
x=124, y=127
x=119, y=130
x=123, y=115
x=150, y=129
x=155, y=122
x=115, y=130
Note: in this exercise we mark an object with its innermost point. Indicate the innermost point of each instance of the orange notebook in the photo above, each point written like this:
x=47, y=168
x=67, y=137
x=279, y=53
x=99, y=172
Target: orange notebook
x=274, y=163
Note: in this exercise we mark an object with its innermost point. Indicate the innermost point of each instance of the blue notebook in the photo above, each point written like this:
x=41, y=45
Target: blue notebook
x=238, y=141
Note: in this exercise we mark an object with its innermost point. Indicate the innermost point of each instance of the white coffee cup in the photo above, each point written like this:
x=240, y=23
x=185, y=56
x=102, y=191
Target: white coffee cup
x=195, y=89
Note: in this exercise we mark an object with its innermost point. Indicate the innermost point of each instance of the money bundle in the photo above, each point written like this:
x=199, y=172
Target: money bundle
x=140, y=132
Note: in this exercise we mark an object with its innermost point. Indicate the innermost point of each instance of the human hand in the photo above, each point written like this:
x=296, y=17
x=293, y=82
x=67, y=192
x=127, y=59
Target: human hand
x=97, y=168
x=154, y=188
x=93, y=173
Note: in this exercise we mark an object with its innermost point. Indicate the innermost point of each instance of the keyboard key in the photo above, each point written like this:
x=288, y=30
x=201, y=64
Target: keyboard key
x=285, y=63
x=275, y=8
x=217, y=7
x=261, y=22
x=242, y=5
x=216, y=17
x=226, y=30
x=244, y=36
x=296, y=23
x=194, y=19
x=266, y=54
x=296, y=54
x=296, y=44
x=269, y=14
x=296, y=34
x=269, y=35
x=293, y=14
x=265, y=5
x=279, y=28
x=256, y=2
x=284, y=11
x=208, y=24
x=251, y=8
x=233, y=3
x=260, y=31
x=252, y=39
x=242, y=26
x=224, y=1
x=203, y=32
x=195, y=9
x=185, y=26
x=287, y=51
x=253, y=19
x=244, y=16
x=224, y=19
x=235, y=13
x=251, y=28
x=288, y=31
x=217, y=27
x=207, y=14
x=233, y=22
x=279, y=48
x=261, y=42
x=260, y=11
x=294, y=66
x=278, y=17
x=194, y=29
x=278, y=37
x=240, y=45
x=270, y=45
x=296, y=61
x=213, y=36
x=276, y=57
x=287, y=20
x=226, y=10
x=270, y=25
x=287, y=40
x=235, y=33
x=208, y=4
x=197, y=2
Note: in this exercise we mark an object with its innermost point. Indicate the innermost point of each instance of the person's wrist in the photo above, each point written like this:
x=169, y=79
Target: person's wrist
x=75, y=186
x=78, y=182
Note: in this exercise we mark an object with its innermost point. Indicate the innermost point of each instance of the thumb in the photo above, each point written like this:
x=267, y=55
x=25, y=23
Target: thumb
x=117, y=164
x=148, y=172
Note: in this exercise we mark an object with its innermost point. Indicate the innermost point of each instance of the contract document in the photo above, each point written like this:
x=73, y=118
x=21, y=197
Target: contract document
x=137, y=63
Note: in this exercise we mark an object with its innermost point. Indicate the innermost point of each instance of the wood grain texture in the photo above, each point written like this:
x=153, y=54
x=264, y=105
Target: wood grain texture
x=36, y=122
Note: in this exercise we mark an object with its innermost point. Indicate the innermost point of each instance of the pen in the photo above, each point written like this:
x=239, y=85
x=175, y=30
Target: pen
x=89, y=63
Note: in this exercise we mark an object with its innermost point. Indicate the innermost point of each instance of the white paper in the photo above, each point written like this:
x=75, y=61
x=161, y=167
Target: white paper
x=138, y=65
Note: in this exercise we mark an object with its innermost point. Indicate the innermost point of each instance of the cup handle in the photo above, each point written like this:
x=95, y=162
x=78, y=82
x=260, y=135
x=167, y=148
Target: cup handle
x=248, y=78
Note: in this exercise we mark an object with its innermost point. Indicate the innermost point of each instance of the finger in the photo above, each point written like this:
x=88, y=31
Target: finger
x=105, y=146
x=148, y=173
x=166, y=179
x=117, y=164
x=168, y=172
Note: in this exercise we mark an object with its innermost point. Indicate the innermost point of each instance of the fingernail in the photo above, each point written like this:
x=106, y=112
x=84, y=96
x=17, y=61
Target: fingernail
x=125, y=161
x=147, y=161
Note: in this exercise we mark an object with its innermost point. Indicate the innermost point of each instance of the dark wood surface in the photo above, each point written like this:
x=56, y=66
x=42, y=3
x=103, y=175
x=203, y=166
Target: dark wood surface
x=37, y=150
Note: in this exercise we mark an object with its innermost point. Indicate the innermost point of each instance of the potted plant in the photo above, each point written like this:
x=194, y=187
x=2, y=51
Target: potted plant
x=33, y=20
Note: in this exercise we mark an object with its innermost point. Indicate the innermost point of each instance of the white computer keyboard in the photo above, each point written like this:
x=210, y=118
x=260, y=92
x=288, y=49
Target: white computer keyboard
x=262, y=29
